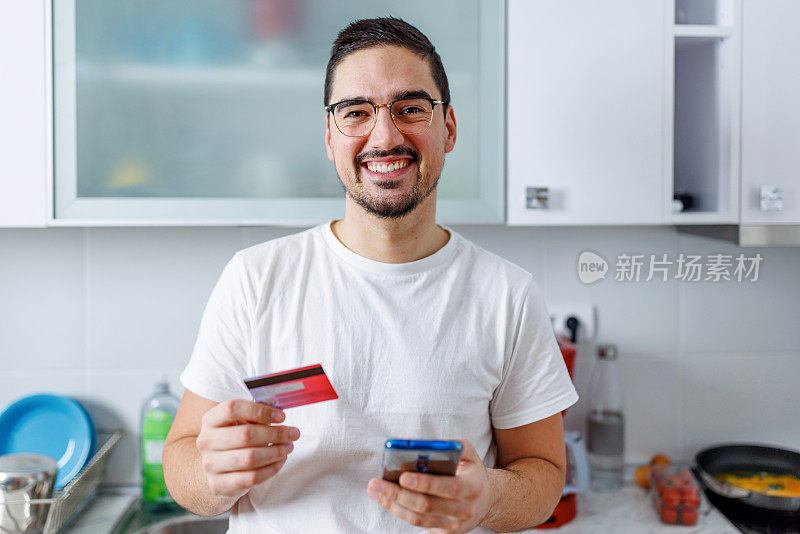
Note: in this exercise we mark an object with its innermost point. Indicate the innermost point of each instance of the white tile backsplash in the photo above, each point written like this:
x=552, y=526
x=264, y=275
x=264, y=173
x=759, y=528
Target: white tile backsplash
x=641, y=316
x=741, y=397
x=147, y=289
x=101, y=313
x=115, y=399
x=523, y=246
x=652, y=391
x=732, y=316
x=17, y=384
x=41, y=298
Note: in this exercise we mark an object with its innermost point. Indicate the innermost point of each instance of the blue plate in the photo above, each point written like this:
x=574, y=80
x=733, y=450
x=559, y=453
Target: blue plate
x=53, y=425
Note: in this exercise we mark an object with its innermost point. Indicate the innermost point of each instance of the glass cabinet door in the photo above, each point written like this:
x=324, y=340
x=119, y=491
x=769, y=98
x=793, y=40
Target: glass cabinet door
x=210, y=111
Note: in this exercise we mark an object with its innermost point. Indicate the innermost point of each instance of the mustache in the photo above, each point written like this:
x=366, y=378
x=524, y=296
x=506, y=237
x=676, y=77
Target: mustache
x=396, y=151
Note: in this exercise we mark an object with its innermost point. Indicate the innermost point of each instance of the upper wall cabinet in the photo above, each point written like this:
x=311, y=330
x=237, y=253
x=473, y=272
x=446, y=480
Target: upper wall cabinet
x=24, y=111
x=586, y=84
x=211, y=111
x=770, y=113
x=703, y=110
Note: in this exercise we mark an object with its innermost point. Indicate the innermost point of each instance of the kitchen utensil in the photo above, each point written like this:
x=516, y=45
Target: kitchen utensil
x=67, y=502
x=579, y=476
x=52, y=425
x=751, y=458
x=25, y=477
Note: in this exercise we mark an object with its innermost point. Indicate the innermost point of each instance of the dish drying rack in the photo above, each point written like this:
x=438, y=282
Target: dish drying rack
x=68, y=501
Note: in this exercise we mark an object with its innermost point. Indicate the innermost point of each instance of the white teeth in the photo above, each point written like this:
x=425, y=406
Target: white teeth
x=386, y=168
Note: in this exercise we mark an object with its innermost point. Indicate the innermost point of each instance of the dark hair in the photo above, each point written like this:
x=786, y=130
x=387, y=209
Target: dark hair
x=385, y=31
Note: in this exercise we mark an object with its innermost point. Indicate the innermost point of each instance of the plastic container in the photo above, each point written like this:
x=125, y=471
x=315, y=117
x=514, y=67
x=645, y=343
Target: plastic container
x=158, y=413
x=676, y=495
x=606, y=423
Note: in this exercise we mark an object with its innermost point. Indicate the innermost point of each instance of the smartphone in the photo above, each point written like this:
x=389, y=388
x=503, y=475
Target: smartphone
x=421, y=456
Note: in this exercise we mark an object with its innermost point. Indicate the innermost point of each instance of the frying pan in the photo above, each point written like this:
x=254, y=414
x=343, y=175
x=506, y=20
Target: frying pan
x=750, y=458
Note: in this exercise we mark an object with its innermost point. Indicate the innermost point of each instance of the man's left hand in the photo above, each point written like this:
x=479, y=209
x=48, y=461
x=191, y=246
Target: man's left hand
x=442, y=504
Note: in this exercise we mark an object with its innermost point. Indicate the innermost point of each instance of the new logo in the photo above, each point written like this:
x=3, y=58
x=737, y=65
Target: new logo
x=591, y=267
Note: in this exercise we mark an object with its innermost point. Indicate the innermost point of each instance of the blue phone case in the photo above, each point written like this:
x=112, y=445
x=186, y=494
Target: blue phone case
x=438, y=457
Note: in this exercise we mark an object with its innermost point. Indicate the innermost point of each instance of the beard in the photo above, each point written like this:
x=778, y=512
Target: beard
x=389, y=208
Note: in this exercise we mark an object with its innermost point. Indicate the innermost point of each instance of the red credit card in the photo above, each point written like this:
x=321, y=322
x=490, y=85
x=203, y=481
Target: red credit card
x=295, y=387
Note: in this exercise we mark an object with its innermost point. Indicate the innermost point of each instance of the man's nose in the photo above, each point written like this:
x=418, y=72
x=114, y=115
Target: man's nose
x=385, y=134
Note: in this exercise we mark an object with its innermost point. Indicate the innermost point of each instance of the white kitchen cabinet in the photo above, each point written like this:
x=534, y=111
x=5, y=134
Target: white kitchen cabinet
x=586, y=83
x=770, y=111
x=703, y=109
x=24, y=147
x=211, y=112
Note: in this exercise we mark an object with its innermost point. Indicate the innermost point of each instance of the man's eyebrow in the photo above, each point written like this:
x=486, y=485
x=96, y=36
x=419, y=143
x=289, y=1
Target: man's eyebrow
x=419, y=93
x=355, y=99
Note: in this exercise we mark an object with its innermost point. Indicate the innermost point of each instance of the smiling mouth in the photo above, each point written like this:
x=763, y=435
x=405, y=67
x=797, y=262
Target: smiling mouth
x=383, y=167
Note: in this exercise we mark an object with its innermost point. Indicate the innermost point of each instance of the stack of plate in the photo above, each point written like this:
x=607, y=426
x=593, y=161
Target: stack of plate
x=53, y=425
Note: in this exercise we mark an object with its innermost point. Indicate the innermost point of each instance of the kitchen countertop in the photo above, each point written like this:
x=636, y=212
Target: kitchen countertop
x=628, y=511
x=118, y=511
x=104, y=514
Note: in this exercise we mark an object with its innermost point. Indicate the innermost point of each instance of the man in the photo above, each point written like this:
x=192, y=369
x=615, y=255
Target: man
x=423, y=334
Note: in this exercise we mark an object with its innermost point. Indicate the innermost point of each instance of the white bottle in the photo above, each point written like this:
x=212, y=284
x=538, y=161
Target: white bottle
x=606, y=424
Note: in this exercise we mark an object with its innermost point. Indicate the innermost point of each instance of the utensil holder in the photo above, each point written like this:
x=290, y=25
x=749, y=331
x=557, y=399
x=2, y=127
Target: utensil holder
x=68, y=501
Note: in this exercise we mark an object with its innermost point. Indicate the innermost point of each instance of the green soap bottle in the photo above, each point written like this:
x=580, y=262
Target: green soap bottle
x=158, y=413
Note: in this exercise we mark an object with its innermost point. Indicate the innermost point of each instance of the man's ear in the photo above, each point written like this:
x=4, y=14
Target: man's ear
x=328, y=147
x=450, y=128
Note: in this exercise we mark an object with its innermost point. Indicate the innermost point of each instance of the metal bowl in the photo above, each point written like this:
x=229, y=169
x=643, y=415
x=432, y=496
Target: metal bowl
x=25, y=477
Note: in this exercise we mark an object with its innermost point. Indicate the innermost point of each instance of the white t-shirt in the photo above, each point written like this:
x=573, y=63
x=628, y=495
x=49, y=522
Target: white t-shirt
x=445, y=347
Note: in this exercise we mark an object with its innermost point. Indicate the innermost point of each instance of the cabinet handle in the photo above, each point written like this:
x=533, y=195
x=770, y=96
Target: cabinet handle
x=537, y=198
x=771, y=198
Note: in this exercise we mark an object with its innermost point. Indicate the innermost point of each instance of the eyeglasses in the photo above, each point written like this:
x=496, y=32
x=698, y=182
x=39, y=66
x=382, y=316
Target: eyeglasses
x=357, y=118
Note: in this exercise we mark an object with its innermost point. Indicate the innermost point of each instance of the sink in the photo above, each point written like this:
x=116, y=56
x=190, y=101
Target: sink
x=188, y=525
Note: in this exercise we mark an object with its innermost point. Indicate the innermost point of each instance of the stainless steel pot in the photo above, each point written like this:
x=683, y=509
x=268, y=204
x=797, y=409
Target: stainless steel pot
x=23, y=478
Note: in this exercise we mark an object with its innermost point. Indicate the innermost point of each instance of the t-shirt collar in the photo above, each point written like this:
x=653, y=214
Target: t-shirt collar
x=401, y=269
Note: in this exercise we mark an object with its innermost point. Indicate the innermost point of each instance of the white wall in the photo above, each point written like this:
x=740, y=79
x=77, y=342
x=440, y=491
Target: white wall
x=101, y=313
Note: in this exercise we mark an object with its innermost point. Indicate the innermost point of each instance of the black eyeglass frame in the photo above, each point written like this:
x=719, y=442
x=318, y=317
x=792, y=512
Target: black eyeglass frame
x=331, y=107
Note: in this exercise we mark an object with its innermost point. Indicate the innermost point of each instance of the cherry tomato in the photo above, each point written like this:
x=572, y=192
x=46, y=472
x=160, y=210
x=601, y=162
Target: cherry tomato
x=669, y=515
x=691, y=502
x=688, y=517
x=688, y=492
x=670, y=496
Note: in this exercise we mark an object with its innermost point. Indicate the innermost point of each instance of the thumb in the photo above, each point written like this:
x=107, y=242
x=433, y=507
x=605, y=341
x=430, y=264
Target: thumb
x=469, y=455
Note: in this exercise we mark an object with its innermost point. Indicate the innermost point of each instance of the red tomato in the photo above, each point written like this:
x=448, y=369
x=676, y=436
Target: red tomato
x=689, y=496
x=670, y=497
x=669, y=515
x=688, y=517
x=691, y=502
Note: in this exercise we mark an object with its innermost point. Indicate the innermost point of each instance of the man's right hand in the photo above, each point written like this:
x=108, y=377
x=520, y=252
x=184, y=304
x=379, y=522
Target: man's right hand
x=240, y=447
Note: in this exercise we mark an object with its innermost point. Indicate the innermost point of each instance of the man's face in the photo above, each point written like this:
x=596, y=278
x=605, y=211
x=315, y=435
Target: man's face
x=380, y=74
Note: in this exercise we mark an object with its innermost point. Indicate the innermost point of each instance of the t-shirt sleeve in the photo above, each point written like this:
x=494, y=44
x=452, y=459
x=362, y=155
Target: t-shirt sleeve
x=218, y=362
x=535, y=383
